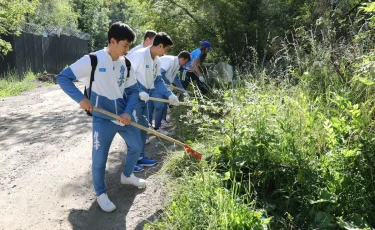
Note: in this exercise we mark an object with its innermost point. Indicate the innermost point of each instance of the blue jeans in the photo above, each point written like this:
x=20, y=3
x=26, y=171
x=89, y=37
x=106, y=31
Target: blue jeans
x=141, y=116
x=160, y=109
x=103, y=132
x=164, y=117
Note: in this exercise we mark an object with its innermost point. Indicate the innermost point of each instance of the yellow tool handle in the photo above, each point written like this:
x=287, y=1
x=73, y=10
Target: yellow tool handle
x=167, y=101
x=140, y=127
x=176, y=88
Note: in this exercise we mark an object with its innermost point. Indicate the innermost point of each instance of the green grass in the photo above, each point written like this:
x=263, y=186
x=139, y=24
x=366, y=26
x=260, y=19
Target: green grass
x=277, y=159
x=291, y=147
x=200, y=201
x=13, y=85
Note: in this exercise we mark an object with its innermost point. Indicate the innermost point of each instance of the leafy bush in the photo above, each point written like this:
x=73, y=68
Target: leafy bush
x=201, y=202
x=297, y=133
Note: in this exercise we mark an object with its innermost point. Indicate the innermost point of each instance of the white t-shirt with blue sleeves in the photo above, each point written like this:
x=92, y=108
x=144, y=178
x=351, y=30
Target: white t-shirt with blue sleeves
x=170, y=65
x=169, y=69
x=147, y=71
x=109, y=86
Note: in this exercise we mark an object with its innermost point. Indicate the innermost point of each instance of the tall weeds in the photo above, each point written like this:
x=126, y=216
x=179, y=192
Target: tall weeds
x=291, y=146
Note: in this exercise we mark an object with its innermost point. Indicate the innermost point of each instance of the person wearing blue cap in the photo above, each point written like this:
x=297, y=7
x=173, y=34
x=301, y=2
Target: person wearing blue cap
x=190, y=72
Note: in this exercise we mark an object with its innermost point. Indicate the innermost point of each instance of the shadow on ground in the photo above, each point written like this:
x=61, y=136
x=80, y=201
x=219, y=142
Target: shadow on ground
x=123, y=196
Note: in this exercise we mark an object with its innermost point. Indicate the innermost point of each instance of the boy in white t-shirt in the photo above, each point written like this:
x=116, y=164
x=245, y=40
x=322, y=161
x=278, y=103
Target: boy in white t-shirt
x=146, y=64
x=170, y=66
x=114, y=89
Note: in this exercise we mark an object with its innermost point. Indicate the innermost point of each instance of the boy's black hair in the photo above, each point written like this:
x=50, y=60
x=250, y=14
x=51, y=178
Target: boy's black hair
x=185, y=55
x=149, y=34
x=162, y=38
x=121, y=31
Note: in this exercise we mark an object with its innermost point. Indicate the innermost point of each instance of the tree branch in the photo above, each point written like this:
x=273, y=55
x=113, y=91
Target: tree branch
x=187, y=12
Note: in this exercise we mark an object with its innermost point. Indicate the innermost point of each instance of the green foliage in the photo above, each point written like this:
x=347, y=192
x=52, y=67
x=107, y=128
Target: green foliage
x=195, y=21
x=368, y=7
x=307, y=162
x=13, y=84
x=294, y=140
x=201, y=202
x=302, y=151
x=55, y=13
x=233, y=26
x=94, y=20
x=12, y=13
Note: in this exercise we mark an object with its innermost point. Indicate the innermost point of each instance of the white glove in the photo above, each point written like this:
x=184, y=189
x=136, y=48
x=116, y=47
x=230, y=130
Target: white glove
x=186, y=95
x=173, y=100
x=144, y=96
x=201, y=78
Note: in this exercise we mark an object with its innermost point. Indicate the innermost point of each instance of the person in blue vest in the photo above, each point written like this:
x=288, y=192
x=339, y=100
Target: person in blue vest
x=146, y=65
x=114, y=91
x=191, y=72
x=169, y=68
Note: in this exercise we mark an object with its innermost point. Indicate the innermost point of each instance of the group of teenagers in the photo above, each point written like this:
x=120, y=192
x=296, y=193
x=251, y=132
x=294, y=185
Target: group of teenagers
x=122, y=83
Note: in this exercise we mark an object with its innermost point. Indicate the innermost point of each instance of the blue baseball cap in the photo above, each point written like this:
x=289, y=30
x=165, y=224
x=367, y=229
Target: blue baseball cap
x=206, y=44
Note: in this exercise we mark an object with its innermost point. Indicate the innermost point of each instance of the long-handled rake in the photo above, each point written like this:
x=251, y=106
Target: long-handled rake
x=180, y=103
x=187, y=148
x=176, y=88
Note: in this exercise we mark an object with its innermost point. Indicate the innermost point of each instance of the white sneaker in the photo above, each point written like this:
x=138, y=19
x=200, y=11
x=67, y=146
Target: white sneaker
x=140, y=183
x=105, y=204
x=148, y=141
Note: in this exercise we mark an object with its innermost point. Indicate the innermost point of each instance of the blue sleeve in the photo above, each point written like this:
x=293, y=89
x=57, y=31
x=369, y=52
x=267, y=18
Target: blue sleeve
x=162, y=71
x=131, y=98
x=161, y=87
x=178, y=83
x=65, y=80
x=140, y=89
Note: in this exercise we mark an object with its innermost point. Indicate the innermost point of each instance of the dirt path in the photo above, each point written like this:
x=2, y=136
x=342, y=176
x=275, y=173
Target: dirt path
x=45, y=176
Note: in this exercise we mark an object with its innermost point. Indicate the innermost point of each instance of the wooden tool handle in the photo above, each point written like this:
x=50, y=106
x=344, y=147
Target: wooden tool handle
x=176, y=88
x=159, y=99
x=140, y=127
x=180, y=103
x=187, y=148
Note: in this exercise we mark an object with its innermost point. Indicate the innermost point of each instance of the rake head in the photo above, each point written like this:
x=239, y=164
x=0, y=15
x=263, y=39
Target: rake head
x=192, y=152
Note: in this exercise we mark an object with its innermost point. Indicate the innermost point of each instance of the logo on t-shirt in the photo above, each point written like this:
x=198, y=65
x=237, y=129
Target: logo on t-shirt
x=147, y=66
x=122, y=76
x=102, y=69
